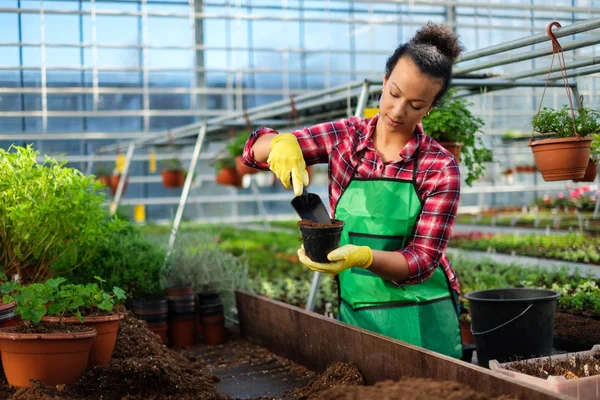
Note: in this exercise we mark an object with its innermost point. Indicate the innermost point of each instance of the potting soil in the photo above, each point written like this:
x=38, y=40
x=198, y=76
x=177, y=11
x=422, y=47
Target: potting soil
x=408, y=389
x=582, y=330
x=312, y=224
x=574, y=367
x=143, y=368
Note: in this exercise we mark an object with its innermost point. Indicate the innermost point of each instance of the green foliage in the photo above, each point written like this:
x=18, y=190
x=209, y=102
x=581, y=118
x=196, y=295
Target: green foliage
x=127, y=260
x=197, y=260
x=595, y=149
x=559, y=123
x=452, y=121
x=31, y=300
x=235, y=146
x=224, y=162
x=172, y=164
x=48, y=212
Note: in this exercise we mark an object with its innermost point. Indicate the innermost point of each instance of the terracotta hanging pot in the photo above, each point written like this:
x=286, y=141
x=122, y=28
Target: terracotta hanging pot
x=103, y=344
x=172, y=178
x=562, y=159
x=114, y=183
x=454, y=148
x=243, y=169
x=229, y=177
x=53, y=358
x=590, y=172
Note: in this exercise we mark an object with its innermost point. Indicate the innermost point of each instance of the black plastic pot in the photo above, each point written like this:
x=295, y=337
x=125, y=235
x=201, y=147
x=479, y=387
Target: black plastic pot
x=320, y=241
x=155, y=312
x=512, y=323
x=181, y=301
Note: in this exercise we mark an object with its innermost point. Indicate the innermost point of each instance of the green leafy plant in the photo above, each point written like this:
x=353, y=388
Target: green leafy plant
x=127, y=259
x=595, y=149
x=452, y=121
x=47, y=213
x=172, y=164
x=224, y=162
x=36, y=300
x=559, y=123
x=198, y=261
x=235, y=146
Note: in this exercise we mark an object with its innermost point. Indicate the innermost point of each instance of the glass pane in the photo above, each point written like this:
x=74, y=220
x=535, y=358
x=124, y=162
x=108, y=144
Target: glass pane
x=178, y=29
x=120, y=102
x=62, y=57
x=160, y=123
x=66, y=102
x=114, y=29
x=158, y=58
x=10, y=56
x=61, y=28
x=118, y=79
x=65, y=125
x=215, y=33
x=216, y=59
x=114, y=124
x=169, y=101
x=9, y=28
x=170, y=79
x=30, y=27
x=9, y=102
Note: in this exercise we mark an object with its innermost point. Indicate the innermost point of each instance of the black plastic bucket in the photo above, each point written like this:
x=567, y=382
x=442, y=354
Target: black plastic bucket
x=512, y=323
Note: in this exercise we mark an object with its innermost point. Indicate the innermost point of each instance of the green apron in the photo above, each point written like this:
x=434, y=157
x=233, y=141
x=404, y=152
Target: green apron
x=381, y=213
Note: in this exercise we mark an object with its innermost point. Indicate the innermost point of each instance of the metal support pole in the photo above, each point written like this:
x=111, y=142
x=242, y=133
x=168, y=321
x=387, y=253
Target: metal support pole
x=90, y=163
x=186, y=189
x=122, y=179
x=259, y=203
x=362, y=99
x=316, y=279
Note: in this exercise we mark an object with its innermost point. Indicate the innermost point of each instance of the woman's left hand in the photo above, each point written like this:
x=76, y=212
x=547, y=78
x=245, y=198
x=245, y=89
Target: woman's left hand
x=342, y=258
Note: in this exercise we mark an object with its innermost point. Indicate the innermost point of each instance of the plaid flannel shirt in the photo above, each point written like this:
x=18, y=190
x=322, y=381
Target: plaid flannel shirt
x=347, y=146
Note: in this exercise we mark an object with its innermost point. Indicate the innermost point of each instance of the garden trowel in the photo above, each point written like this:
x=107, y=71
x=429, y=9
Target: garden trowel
x=310, y=206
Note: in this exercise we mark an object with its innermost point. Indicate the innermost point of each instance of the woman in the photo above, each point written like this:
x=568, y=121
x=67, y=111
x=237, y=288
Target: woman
x=396, y=189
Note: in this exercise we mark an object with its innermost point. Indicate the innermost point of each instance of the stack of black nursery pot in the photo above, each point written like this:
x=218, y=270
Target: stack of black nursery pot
x=153, y=310
x=182, y=316
x=211, y=318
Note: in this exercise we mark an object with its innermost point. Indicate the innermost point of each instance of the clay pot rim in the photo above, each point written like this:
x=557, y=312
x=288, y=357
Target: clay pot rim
x=560, y=140
x=90, y=334
x=4, y=306
x=94, y=319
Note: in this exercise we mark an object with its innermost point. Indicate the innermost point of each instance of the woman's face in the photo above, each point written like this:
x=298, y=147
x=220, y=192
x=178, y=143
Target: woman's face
x=408, y=95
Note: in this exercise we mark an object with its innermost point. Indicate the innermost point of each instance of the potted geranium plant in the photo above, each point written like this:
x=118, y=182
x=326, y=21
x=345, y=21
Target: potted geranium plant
x=52, y=353
x=453, y=125
x=93, y=307
x=565, y=153
x=227, y=173
x=48, y=212
x=173, y=174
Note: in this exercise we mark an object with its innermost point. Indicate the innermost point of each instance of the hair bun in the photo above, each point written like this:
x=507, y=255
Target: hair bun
x=441, y=37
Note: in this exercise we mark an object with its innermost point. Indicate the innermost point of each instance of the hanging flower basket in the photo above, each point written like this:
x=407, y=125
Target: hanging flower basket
x=566, y=154
x=562, y=159
x=590, y=172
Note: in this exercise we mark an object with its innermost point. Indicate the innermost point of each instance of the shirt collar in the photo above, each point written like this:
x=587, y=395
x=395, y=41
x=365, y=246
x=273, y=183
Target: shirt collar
x=366, y=139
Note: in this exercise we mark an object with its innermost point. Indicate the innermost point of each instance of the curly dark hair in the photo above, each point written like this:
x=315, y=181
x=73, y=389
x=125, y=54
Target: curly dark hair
x=433, y=49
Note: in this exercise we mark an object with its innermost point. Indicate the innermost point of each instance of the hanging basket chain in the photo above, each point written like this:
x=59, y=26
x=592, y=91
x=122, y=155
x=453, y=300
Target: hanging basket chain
x=557, y=49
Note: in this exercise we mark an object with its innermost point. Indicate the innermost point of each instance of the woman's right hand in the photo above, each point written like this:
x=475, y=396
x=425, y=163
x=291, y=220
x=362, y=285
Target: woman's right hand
x=285, y=160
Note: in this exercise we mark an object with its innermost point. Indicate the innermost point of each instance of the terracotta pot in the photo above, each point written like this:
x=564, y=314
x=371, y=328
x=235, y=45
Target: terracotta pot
x=243, y=169
x=103, y=344
x=229, y=177
x=454, y=148
x=172, y=178
x=562, y=159
x=213, y=328
x=590, y=172
x=53, y=358
x=182, y=331
x=160, y=328
x=114, y=183
x=466, y=334
x=105, y=180
x=176, y=290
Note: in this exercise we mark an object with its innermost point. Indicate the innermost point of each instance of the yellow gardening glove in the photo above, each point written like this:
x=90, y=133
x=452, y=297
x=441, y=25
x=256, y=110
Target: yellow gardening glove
x=342, y=258
x=286, y=160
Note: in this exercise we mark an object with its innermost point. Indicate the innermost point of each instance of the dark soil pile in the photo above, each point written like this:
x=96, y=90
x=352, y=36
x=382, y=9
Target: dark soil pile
x=336, y=374
x=407, y=389
x=574, y=367
x=577, y=329
x=141, y=368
